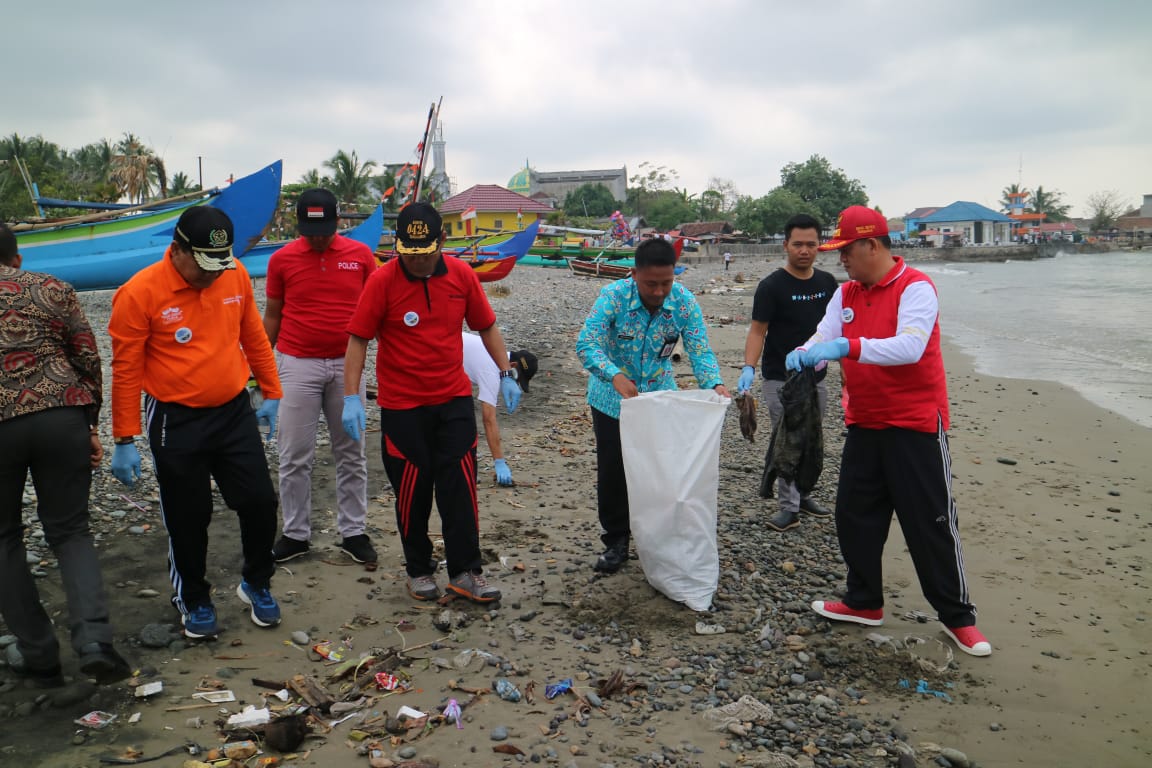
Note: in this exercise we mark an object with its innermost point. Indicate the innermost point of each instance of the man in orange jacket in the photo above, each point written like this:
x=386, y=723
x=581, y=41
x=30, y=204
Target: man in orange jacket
x=186, y=331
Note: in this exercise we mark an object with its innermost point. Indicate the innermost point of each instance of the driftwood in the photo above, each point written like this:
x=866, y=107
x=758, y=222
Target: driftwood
x=306, y=687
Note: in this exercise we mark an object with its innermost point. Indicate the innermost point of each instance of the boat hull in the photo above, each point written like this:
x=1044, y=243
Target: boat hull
x=105, y=254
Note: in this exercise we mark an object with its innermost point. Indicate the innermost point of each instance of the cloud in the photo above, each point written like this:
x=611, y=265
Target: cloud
x=925, y=103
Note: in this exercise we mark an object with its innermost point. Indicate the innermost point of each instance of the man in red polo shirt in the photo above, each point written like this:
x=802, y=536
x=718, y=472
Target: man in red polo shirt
x=882, y=325
x=313, y=286
x=415, y=306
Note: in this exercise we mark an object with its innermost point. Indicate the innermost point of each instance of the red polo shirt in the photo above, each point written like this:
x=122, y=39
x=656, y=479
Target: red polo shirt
x=417, y=323
x=320, y=292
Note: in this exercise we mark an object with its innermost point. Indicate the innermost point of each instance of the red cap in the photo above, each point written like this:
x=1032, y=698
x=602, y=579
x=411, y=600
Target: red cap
x=857, y=222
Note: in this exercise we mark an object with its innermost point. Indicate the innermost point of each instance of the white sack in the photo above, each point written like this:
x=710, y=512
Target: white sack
x=671, y=446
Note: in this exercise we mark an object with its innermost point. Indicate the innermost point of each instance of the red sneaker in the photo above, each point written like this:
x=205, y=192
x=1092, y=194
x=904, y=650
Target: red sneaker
x=841, y=612
x=970, y=640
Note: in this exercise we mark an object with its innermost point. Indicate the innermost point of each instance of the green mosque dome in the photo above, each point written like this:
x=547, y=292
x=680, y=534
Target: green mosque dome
x=521, y=182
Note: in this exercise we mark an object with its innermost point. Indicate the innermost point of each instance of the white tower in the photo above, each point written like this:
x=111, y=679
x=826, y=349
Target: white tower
x=437, y=180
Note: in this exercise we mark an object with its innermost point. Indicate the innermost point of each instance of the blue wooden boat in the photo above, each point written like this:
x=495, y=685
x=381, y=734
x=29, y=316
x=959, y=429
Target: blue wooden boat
x=105, y=254
x=515, y=245
x=368, y=232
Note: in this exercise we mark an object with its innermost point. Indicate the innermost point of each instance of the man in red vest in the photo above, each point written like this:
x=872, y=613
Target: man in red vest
x=883, y=327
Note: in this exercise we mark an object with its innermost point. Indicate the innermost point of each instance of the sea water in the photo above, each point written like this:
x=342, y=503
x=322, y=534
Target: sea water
x=1077, y=319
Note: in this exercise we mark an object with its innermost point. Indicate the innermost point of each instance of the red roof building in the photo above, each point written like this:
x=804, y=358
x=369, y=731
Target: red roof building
x=491, y=208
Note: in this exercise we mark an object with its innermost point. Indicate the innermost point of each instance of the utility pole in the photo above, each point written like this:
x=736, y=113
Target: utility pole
x=200, y=163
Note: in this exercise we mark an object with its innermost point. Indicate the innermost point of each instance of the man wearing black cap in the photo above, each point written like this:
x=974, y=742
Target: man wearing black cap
x=485, y=376
x=186, y=331
x=415, y=306
x=312, y=288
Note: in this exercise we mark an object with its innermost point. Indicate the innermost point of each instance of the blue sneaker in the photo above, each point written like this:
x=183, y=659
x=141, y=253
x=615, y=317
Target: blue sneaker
x=200, y=622
x=265, y=609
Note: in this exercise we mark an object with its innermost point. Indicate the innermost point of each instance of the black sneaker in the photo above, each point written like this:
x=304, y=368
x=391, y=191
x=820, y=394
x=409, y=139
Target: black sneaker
x=359, y=548
x=612, y=560
x=101, y=662
x=814, y=508
x=783, y=521
x=287, y=548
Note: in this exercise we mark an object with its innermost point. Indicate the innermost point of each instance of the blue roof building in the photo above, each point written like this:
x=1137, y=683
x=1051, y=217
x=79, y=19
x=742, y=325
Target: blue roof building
x=971, y=223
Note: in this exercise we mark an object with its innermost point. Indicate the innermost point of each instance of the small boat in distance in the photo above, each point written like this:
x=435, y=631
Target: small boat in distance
x=99, y=255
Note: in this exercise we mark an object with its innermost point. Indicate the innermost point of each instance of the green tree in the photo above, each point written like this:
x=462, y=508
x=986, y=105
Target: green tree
x=593, y=200
x=182, y=185
x=646, y=185
x=710, y=205
x=351, y=179
x=728, y=195
x=666, y=209
x=829, y=189
x=1104, y=208
x=312, y=179
x=1050, y=203
x=136, y=170
x=767, y=215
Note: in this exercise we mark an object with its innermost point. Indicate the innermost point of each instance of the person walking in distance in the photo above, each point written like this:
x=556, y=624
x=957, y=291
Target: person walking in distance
x=787, y=306
x=51, y=390
x=312, y=289
x=414, y=306
x=883, y=326
x=186, y=331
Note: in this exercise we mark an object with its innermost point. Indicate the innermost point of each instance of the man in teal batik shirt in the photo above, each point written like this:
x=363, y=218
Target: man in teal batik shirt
x=626, y=344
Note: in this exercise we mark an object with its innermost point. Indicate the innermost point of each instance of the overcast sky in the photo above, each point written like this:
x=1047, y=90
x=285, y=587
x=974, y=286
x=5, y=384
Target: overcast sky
x=924, y=102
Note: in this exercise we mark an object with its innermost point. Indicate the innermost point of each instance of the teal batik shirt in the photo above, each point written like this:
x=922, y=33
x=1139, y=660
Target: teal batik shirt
x=621, y=336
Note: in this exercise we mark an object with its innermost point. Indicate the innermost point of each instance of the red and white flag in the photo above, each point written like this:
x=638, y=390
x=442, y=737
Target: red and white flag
x=468, y=213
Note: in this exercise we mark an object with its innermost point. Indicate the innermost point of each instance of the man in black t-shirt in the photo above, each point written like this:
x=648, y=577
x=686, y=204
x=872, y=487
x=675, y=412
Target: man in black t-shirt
x=789, y=304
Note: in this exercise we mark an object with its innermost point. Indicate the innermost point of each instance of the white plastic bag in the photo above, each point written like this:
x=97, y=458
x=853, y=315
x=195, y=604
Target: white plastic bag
x=671, y=446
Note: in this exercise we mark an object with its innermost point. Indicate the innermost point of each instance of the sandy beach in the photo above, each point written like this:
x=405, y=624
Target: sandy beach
x=1055, y=500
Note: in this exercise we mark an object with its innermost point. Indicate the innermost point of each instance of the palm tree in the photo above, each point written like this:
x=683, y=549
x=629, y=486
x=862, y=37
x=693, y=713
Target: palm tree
x=1051, y=204
x=350, y=177
x=181, y=184
x=313, y=179
x=136, y=168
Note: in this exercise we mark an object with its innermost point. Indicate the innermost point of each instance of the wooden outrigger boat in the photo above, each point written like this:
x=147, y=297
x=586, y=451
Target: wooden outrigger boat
x=95, y=255
x=513, y=244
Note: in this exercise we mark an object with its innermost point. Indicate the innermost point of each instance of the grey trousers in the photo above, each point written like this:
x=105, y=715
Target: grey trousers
x=314, y=385
x=786, y=493
x=54, y=445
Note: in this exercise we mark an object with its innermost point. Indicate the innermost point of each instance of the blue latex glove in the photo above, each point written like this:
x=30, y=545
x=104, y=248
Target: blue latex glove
x=511, y=392
x=503, y=474
x=126, y=463
x=825, y=350
x=353, y=418
x=266, y=414
x=747, y=376
x=792, y=359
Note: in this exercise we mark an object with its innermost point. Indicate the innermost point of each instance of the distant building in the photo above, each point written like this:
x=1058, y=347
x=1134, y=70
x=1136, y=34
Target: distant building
x=557, y=184
x=489, y=207
x=1137, y=223
x=912, y=220
x=707, y=231
x=969, y=223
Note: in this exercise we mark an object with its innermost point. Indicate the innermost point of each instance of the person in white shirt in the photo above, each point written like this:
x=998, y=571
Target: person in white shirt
x=485, y=376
